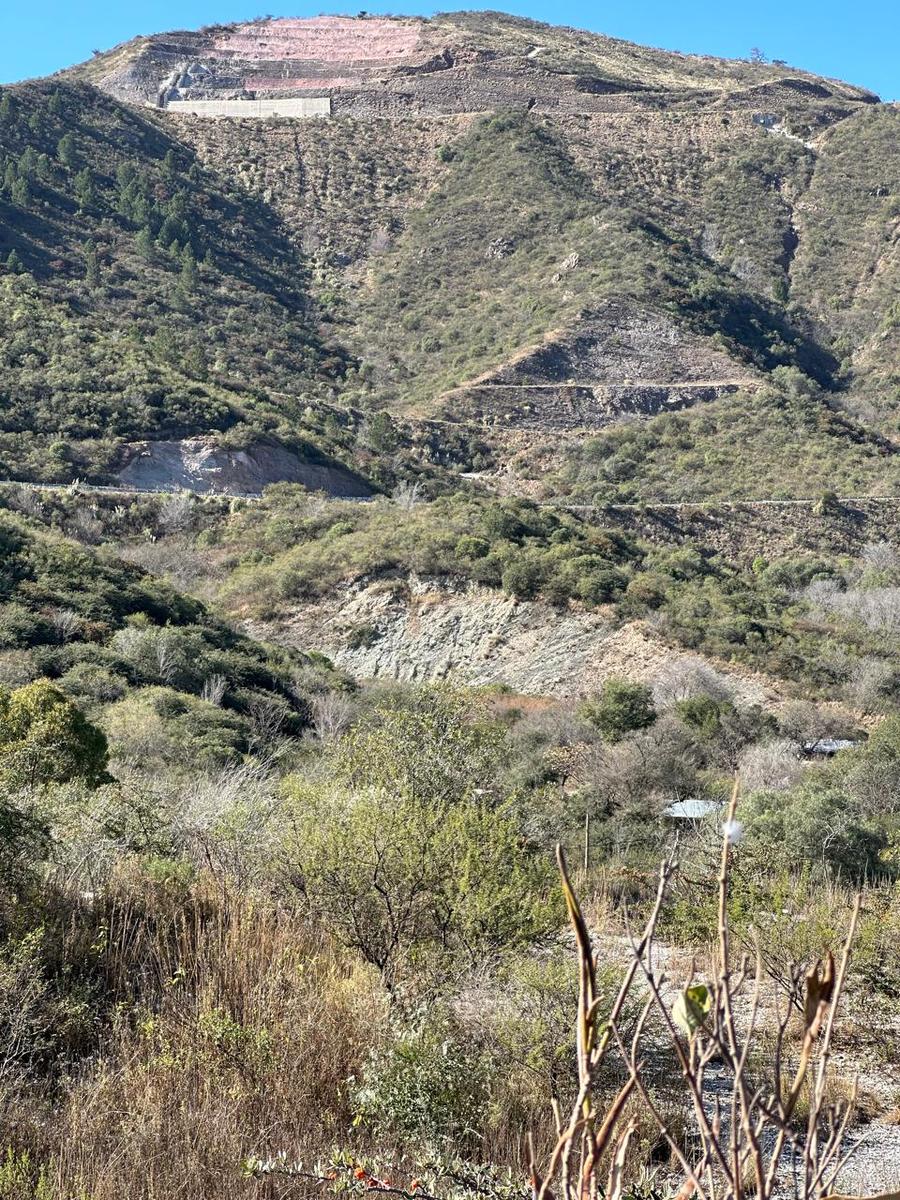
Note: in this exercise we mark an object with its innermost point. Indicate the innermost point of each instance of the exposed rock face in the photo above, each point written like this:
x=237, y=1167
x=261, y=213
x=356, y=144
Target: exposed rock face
x=424, y=629
x=620, y=343
x=581, y=407
x=621, y=359
x=457, y=62
x=200, y=466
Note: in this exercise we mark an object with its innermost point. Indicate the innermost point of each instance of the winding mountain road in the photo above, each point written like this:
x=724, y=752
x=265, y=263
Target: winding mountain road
x=118, y=490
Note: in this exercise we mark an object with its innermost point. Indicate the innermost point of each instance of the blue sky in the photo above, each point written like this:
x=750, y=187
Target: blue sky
x=859, y=42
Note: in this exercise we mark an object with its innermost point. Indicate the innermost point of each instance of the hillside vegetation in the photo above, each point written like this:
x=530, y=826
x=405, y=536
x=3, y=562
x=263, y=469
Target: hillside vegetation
x=516, y=242
x=141, y=296
x=792, y=443
x=289, y=782
x=165, y=680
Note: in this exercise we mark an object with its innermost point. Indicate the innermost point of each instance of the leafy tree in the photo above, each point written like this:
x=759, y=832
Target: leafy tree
x=436, y=747
x=621, y=707
x=404, y=852
x=702, y=714
x=44, y=738
x=381, y=433
x=524, y=575
x=195, y=362
x=401, y=878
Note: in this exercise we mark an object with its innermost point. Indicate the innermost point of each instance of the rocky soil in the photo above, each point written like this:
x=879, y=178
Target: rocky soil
x=201, y=466
x=422, y=629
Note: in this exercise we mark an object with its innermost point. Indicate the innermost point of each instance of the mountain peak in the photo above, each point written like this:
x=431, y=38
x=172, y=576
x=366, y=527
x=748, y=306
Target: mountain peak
x=451, y=63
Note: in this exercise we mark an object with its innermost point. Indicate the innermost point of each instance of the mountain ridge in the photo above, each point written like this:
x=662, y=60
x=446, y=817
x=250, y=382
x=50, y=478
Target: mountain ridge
x=389, y=41
x=416, y=245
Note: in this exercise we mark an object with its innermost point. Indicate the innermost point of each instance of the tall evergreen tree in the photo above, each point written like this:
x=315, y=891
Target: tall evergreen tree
x=21, y=192
x=85, y=189
x=144, y=242
x=92, y=265
x=67, y=151
x=189, y=279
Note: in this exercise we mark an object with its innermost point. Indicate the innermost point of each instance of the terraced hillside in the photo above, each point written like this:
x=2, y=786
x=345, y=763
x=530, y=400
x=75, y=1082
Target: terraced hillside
x=512, y=228
x=456, y=62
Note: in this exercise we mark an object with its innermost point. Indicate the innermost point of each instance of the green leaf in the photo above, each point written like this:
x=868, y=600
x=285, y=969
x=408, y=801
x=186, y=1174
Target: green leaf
x=691, y=1008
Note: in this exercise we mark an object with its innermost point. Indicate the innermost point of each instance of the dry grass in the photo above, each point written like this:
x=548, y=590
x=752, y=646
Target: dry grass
x=242, y=1029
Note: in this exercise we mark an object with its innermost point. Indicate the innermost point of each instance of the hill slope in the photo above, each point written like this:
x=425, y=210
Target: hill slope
x=143, y=296
x=485, y=189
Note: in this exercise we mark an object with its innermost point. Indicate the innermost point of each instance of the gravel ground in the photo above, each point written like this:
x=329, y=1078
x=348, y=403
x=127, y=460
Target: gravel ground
x=876, y=1165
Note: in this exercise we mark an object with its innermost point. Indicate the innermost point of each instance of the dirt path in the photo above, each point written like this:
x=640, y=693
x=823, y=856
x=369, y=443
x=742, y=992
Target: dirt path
x=708, y=505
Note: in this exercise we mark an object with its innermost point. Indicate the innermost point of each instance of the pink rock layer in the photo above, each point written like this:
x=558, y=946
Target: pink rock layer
x=321, y=39
x=274, y=83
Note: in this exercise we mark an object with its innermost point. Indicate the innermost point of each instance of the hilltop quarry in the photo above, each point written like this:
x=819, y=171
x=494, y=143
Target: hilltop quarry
x=454, y=63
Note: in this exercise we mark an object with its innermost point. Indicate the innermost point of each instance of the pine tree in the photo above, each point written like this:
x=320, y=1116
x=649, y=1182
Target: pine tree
x=14, y=264
x=7, y=109
x=92, y=265
x=143, y=212
x=54, y=104
x=85, y=189
x=66, y=151
x=28, y=161
x=143, y=242
x=21, y=192
x=177, y=207
x=170, y=231
x=190, y=276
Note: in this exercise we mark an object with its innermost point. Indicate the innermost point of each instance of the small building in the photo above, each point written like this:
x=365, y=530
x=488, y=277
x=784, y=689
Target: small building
x=692, y=809
x=827, y=747
x=297, y=107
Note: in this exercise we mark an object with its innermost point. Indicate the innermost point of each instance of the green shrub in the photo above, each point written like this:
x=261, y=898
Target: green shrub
x=44, y=738
x=428, y=1083
x=815, y=823
x=621, y=707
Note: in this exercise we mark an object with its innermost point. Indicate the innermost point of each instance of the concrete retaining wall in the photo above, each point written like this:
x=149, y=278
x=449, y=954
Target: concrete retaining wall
x=305, y=106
